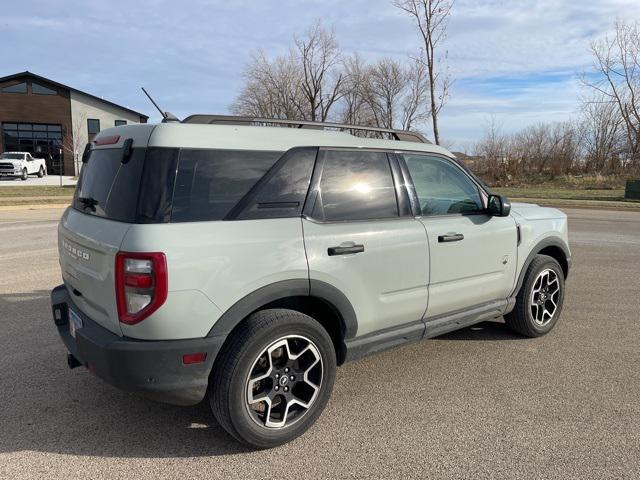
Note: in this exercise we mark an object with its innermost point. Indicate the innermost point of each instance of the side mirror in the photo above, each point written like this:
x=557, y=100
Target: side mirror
x=498, y=206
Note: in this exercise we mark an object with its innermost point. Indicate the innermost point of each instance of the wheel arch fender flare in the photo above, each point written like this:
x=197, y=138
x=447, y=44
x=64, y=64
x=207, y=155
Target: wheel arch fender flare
x=543, y=244
x=282, y=290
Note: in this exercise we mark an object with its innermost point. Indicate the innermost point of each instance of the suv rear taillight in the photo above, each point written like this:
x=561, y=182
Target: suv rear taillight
x=141, y=285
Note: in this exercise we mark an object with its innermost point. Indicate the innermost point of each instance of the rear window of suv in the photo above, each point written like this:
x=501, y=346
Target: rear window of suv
x=159, y=185
x=107, y=187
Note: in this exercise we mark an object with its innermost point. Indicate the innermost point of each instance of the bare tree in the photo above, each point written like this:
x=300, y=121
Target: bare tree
x=319, y=55
x=74, y=140
x=417, y=89
x=314, y=82
x=387, y=94
x=385, y=85
x=544, y=149
x=272, y=88
x=493, y=148
x=617, y=69
x=564, y=148
x=601, y=134
x=356, y=109
x=304, y=84
x=431, y=18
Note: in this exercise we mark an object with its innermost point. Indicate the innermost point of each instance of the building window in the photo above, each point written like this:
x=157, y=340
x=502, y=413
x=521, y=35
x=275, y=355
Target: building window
x=41, y=89
x=93, y=126
x=41, y=140
x=17, y=88
x=119, y=123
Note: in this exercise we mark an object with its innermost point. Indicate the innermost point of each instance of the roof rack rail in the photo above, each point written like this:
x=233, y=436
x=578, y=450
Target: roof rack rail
x=402, y=135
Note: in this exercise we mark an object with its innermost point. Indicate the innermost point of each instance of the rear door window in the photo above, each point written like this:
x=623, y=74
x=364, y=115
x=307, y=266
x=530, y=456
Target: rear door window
x=209, y=183
x=355, y=186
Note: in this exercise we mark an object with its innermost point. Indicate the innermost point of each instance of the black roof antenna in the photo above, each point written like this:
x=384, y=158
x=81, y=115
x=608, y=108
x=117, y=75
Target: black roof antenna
x=166, y=116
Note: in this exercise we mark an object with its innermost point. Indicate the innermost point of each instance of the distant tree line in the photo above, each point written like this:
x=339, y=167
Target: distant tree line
x=316, y=81
x=604, y=138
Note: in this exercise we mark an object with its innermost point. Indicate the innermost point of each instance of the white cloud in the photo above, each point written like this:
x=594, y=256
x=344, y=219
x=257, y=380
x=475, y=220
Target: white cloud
x=513, y=37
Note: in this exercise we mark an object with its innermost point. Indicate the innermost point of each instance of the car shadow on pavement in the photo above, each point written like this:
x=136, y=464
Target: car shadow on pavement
x=491, y=330
x=46, y=407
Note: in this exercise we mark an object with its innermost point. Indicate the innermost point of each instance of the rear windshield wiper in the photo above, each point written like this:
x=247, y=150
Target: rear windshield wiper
x=88, y=202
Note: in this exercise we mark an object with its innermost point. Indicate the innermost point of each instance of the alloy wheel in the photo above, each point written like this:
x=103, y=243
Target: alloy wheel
x=543, y=302
x=284, y=382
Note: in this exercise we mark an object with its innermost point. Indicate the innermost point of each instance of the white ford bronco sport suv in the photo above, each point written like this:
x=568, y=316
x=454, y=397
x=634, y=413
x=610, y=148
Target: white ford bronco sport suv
x=242, y=260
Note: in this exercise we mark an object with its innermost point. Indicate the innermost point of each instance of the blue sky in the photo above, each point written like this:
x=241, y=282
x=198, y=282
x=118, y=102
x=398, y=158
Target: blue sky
x=515, y=61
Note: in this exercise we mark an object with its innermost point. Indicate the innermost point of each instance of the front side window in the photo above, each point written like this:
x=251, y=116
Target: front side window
x=93, y=126
x=441, y=187
x=17, y=88
x=355, y=186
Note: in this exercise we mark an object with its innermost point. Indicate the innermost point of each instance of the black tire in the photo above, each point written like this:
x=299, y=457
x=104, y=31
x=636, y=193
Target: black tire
x=24, y=175
x=228, y=387
x=521, y=319
x=41, y=172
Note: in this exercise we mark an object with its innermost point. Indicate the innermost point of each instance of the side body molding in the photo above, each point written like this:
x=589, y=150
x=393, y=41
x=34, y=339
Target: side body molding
x=302, y=287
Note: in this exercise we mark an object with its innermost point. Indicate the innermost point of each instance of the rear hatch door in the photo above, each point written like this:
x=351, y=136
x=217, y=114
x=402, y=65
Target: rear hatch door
x=92, y=229
x=88, y=247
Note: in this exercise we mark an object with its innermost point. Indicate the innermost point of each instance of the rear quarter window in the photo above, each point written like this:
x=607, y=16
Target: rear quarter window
x=282, y=192
x=209, y=183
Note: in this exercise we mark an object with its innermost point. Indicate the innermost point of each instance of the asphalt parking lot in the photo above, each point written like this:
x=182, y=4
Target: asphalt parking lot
x=478, y=403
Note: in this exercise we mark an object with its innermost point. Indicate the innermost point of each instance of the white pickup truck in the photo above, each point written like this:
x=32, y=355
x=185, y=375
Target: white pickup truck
x=21, y=164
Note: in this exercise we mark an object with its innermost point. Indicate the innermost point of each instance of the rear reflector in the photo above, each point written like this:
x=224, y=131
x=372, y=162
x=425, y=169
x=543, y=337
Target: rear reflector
x=191, y=358
x=110, y=140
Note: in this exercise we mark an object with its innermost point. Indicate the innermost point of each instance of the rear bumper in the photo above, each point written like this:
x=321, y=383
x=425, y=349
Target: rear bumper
x=152, y=368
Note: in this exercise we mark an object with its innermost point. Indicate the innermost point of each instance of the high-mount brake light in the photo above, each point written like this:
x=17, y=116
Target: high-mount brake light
x=141, y=285
x=110, y=140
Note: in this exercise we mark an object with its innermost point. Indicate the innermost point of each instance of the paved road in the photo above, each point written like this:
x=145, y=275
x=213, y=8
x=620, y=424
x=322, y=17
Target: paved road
x=479, y=403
